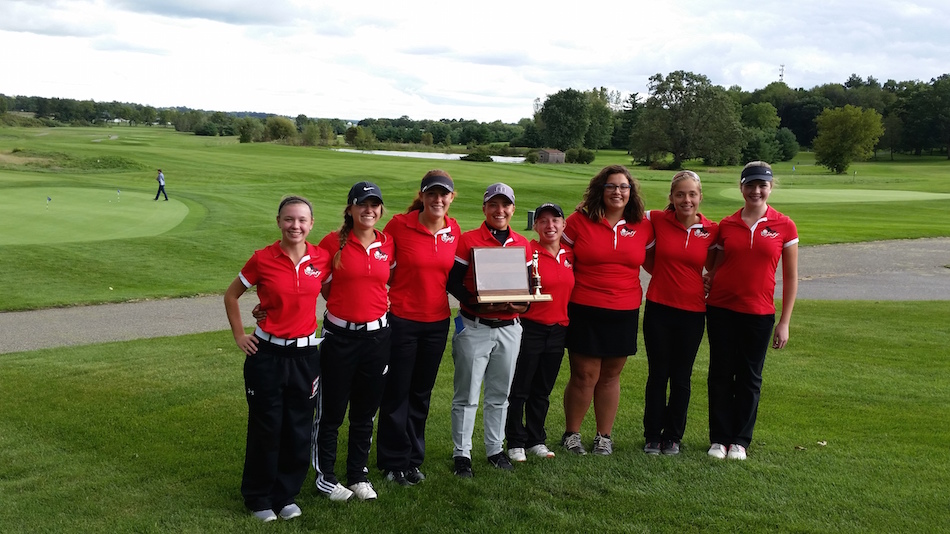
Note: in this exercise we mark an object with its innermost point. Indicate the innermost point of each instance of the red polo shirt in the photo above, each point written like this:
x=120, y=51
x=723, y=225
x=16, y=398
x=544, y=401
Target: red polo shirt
x=745, y=280
x=557, y=280
x=288, y=292
x=423, y=261
x=680, y=256
x=358, y=290
x=482, y=237
x=607, y=261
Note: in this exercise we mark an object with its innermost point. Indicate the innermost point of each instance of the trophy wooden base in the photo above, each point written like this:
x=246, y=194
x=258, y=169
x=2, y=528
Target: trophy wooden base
x=494, y=299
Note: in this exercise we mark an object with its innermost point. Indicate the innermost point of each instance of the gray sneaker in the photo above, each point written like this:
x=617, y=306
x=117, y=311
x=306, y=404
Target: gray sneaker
x=572, y=442
x=603, y=445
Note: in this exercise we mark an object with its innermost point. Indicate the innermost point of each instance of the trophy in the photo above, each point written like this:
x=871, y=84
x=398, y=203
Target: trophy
x=501, y=275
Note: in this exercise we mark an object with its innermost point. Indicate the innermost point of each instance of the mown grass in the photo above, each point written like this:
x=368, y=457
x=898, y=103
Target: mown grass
x=232, y=190
x=148, y=436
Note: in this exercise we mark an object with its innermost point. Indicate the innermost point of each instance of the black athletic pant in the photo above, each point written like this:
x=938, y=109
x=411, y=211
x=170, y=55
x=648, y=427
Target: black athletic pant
x=280, y=386
x=417, y=349
x=738, y=343
x=353, y=363
x=672, y=337
x=542, y=349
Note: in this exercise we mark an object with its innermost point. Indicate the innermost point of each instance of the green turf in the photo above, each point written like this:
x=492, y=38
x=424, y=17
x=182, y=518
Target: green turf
x=229, y=192
x=78, y=214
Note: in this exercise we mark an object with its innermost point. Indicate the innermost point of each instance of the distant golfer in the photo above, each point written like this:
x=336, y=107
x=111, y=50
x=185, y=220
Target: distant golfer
x=161, y=185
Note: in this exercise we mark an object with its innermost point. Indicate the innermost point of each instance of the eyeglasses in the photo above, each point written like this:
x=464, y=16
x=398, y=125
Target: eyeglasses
x=613, y=187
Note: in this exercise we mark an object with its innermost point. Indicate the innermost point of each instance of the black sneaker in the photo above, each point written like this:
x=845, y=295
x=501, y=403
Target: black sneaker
x=463, y=467
x=501, y=461
x=398, y=477
x=671, y=447
x=414, y=476
x=652, y=447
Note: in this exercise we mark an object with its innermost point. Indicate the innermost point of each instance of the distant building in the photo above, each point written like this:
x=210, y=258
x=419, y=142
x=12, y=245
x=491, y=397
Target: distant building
x=550, y=155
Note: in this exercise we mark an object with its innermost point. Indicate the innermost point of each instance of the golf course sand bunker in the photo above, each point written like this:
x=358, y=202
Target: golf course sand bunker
x=74, y=214
x=793, y=195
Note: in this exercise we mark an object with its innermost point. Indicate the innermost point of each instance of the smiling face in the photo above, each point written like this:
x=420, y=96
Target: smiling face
x=295, y=222
x=498, y=211
x=756, y=193
x=549, y=227
x=366, y=214
x=616, y=192
x=685, y=198
x=436, y=202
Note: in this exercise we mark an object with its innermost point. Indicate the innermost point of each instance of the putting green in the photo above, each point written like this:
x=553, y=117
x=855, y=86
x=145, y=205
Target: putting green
x=792, y=195
x=82, y=214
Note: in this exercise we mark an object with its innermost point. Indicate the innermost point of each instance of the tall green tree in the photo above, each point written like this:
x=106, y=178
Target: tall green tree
x=688, y=117
x=564, y=119
x=846, y=134
x=601, y=119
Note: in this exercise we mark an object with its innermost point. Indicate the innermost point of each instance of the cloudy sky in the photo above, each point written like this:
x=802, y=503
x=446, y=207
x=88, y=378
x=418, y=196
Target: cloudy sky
x=485, y=60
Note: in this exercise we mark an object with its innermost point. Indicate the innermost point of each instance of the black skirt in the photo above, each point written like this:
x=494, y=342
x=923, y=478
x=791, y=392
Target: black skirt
x=601, y=332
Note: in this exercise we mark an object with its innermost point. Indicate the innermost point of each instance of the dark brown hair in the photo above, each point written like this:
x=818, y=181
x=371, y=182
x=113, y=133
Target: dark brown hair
x=593, y=203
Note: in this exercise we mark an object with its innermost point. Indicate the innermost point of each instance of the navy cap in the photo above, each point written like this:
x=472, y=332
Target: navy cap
x=756, y=173
x=437, y=180
x=499, y=189
x=549, y=206
x=362, y=191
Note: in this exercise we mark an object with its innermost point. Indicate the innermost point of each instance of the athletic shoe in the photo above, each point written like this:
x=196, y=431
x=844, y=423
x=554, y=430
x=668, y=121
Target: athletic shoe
x=671, y=447
x=717, y=450
x=603, y=445
x=736, y=452
x=652, y=447
x=517, y=454
x=363, y=491
x=572, y=442
x=414, y=476
x=340, y=493
x=290, y=511
x=541, y=450
x=265, y=515
x=463, y=467
x=398, y=477
x=500, y=461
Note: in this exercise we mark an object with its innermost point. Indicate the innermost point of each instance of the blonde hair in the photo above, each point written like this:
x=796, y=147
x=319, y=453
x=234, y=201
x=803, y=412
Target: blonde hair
x=679, y=177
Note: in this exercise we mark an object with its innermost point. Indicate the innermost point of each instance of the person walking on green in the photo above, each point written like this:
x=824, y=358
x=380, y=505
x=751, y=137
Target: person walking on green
x=161, y=185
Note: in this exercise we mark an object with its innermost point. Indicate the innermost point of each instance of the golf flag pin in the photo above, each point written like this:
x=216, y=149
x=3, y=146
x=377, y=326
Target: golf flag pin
x=48, y=200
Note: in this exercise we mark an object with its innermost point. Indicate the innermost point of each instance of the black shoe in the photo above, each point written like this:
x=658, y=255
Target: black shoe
x=501, y=461
x=414, y=476
x=463, y=467
x=398, y=477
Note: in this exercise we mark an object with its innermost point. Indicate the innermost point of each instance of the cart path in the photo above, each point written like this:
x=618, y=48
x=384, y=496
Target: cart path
x=911, y=269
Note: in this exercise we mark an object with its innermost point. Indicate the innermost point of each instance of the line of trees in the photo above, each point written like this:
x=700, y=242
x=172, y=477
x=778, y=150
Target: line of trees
x=684, y=116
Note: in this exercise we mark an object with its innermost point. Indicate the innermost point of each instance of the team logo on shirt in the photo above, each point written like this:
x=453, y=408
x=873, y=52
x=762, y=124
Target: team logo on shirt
x=567, y=263
x=447, y=238
x=381, y=256
x=701, y=232
x=626, y=232
x=768, y=232
x=310, y=270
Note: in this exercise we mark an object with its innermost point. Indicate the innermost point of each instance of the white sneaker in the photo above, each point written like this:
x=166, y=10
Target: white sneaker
x=736, y=452
x=363, y=491
x=717, y=450
x=517, y=454
x=265, y=515
x=340, y=493
x=290, y=511
x=541, y=450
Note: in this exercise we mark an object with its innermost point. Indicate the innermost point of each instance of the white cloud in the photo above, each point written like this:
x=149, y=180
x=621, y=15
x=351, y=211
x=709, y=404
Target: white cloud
x=486, y=61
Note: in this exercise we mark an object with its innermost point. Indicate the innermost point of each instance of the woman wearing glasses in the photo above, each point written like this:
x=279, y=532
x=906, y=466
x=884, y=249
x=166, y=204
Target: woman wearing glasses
x=610, y=237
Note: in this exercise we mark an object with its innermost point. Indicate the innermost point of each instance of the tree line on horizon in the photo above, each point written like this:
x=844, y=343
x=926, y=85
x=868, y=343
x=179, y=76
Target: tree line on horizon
x=683, y=117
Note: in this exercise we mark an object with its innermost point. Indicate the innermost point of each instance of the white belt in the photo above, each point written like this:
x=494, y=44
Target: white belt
x=310, y=341
x=382, y=322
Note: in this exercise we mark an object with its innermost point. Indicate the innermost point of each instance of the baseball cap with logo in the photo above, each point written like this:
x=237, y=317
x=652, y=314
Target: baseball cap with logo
x=499, y=189
x=756, y=172
x=549, y=206
x=437, y=180
x=362, y=191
